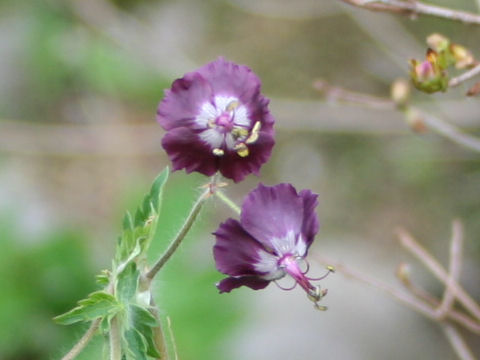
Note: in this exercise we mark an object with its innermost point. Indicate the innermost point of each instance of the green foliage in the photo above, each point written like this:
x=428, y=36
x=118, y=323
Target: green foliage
x=38, y=278
x=132, y=312
x=138, y=232
x=98, y=305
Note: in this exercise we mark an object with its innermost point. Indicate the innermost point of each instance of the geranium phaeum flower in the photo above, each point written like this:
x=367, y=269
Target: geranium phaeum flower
x=217, y=120
x=277, y=226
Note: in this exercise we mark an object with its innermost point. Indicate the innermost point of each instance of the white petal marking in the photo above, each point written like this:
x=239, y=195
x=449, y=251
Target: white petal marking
x=241, y=117
x=268, y=265
x=212, y=137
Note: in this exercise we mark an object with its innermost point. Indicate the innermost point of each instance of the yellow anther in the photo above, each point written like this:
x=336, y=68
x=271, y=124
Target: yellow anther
x=254, y=134
x=331, y=268
x=239, y=132
x=232, y=105
x=257, y=127
x=252, y=138
x=242, y=149
x=218, y=152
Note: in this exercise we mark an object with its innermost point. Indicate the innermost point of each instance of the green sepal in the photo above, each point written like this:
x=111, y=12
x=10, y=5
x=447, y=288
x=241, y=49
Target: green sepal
x=98, y=305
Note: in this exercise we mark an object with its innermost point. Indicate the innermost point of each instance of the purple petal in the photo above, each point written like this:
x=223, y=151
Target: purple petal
x=235, y=251
x=187, y=151
x=235, y=167
x=253, y=282
x=272, y=212
x=183, y=101
x=310, y=220
x=228, y=78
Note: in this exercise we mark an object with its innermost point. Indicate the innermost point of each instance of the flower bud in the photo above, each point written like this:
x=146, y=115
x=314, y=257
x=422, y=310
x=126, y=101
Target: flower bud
x=429, y=76
x=463, y=57
x=415, y=121
x=400, y=92
x=438, y=42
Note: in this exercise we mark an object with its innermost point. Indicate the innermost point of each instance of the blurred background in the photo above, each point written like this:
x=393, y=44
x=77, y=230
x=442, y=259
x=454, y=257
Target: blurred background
x=80, y=82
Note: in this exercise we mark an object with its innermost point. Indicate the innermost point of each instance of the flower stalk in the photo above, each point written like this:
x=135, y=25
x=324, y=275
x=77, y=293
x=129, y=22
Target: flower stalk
x=189, y=221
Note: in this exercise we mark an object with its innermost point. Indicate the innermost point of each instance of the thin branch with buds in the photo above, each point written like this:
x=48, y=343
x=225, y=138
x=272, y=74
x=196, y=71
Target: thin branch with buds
x=441, y=127
x=416, y=8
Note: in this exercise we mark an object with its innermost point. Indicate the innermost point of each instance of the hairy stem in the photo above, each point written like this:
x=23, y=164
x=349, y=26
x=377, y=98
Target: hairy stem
x=228, y=202
x=84, y=340
x=114, y=338
x=180, y=236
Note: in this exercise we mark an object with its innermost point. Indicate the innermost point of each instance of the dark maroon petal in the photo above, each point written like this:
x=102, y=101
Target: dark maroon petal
x=235, y=167
x=272, y=212
x=228, y=78
x=310, y=220
x=235, y=251
x=187, y=151
x=182, y=103
x=258, y=111
x=253, y=282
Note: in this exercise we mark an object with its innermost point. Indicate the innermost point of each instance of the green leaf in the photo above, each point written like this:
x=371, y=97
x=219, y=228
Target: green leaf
x=144, y=322
x=127, y=221
x=152, y=201
x=98, y=304
x=127, y=283
x=140, y=230
x=140, y=316
x=135, y=344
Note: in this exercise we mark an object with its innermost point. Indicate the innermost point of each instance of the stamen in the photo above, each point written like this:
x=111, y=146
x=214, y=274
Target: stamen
x=239, y=132
x=242, y=149
x=330, y=269
x=320, y=307
x=254, y=134
x=232, y=105
x=281, y=287
x=218, y=152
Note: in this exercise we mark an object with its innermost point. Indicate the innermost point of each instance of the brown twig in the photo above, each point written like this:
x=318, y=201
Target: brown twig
x=455, y=264
x=439, y=272
x=424, y=306
x=438, y=125
x=416, y=8
x=457, y=342
x=467, y=75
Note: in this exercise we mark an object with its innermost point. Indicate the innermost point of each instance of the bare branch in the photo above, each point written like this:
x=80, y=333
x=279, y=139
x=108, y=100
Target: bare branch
x=455, y=264
x=416, y=8
x=465, y=76
x=457, y=342
x=422, y=307
x=439, y=272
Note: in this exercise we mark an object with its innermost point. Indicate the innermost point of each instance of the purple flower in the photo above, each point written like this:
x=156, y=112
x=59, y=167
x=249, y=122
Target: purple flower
x=217, y=120
x=277, y=226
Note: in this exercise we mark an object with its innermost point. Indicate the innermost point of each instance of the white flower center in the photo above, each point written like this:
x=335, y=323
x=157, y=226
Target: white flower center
x=268, y=262
x=225, y=125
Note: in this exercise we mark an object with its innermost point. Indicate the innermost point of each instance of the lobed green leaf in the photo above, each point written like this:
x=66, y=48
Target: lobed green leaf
x=98, y=305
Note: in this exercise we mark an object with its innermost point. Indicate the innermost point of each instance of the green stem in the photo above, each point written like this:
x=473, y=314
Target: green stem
x=115, y=344
x=228, y=201
x=85, y=339
x=180, y=236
